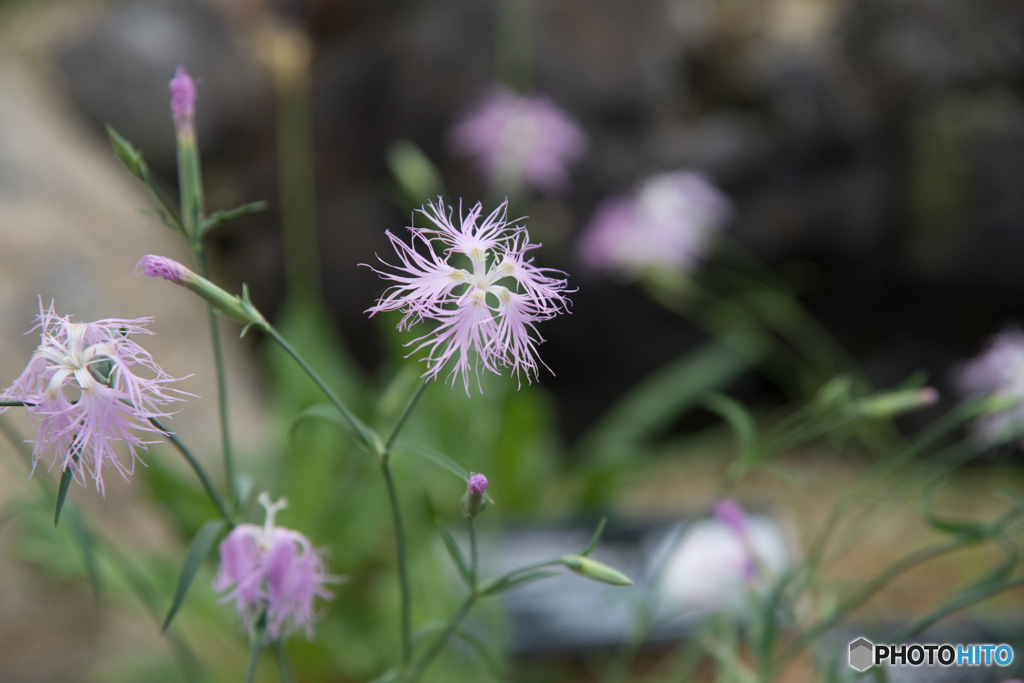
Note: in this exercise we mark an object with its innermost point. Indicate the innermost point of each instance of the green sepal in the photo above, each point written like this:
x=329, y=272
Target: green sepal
x=592, y=569
x=218, y=217
x=198, y=549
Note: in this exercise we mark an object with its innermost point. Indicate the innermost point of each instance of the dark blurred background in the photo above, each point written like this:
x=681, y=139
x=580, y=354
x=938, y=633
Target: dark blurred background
x=874, y=149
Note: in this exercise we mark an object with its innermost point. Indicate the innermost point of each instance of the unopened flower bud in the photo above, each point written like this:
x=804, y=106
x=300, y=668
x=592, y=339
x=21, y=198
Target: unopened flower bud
x=473, y=501
x=592, y=569
x=896, y=402
x=183, y=102
x=237, y=308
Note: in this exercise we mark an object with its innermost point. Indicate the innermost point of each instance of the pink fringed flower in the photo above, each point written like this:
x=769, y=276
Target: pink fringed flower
x=274, y=570
x=183, y=101
x=82, y=390
x=665, y=224
x=489, y=308
x=998, y=371
x=515, y=140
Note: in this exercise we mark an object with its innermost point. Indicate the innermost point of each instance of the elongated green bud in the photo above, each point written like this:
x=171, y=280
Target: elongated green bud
x=592, y=569
x=126, y=152
x=896, y=402
x=237, y=308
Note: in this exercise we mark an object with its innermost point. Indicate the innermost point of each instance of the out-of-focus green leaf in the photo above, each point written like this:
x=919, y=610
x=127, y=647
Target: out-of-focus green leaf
x=596, y=538
x=87, y=545
x=668, y=393
x=198, y=549
x=62, y=492
x=434, y=456
x=741, y=422
x=453, y=551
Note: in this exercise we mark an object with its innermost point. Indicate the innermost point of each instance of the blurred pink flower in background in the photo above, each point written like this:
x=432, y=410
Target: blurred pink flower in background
x=272, y=569
x=516, y=140
x=996, y=371
x=667, y=223
x=730, y=513
x=81, y=388
x=476, y=312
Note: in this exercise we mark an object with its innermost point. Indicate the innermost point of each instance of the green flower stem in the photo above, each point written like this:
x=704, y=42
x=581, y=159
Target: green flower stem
x=405, y=415
x=472, y=555
x=435, y=648
x=366, y=436
x=403, y=568
x=12, y=404
x=284, y=663
x=198, y=469
x=369, y=439
x=222, y=385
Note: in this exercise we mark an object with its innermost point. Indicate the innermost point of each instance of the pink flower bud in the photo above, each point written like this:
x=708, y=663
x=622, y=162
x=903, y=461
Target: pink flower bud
x=160, y=266
x=183, y=101
x=477, y=483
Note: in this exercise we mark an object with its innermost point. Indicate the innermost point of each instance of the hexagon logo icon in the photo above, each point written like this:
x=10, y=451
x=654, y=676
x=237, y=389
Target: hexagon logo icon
x=862, y=654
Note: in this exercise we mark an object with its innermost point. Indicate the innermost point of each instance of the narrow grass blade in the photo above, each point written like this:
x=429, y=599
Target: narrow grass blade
x=62, y=493
x=200, y=547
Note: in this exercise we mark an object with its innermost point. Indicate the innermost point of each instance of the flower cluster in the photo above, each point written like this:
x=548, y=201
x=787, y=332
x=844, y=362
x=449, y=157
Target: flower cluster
x=665, y=224
x=515, y=140
x=272, y=570
x=489, y=308
x=82, y=388
x=998, y=371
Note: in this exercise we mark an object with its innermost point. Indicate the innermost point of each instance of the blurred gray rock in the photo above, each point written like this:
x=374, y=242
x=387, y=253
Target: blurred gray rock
x=118, y=74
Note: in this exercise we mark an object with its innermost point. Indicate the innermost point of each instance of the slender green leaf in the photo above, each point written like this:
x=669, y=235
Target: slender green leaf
x=489, y=659
x=198, y=549
x=218, y=217
x=284, y=662
x=980, y=590
x=1018, y=501
x=967, y=530
x=669, y=393
x=596, y=538
x=453, y=551
x=325, y=411
x=436, y=457
x=507, y=583
x=88, y=545
x=62, y=493
x=166, y=219
x=741, y=422
x=392, y=675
